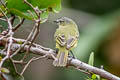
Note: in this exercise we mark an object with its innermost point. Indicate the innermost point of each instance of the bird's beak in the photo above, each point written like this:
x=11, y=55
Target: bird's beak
x=56, y=21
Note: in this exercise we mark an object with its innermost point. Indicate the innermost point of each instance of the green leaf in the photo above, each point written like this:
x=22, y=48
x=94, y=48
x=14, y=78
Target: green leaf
x=18, y=7
x=18, y=4
x=3, y=8
x=5, y=70
x=21, y=14
x=98, y=77
x=91, y=59
x=44, y=16
x=54, y=5
x=93, y=76
x=13, y=74
x=88, y=78
x=57, y=8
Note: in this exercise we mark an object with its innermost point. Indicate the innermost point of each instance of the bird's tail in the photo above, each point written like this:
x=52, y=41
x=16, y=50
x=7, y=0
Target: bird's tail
x=62, y=57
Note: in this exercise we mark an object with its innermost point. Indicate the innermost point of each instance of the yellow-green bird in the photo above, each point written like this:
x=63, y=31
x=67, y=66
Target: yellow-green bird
x=66, y=37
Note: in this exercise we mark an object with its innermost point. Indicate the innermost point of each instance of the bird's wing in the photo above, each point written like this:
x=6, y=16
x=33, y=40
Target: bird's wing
x=71, y=42
x=60, y=39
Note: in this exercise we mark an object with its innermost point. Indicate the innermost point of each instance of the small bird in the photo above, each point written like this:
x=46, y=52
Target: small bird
x=66, y=37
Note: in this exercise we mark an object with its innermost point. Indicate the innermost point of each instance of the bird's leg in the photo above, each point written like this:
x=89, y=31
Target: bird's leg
x=56, y=50
x=73, y=56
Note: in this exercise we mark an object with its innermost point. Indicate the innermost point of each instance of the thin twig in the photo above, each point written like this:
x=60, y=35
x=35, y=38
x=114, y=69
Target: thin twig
x=37, y=25
x=19, y=62
x=3, y=4
x=4, y=14
x=3, y=19
x=19, y=24
x=88, y=73
x=26, y=66
x=31, y=60
x=33, y=16
x=26, y=41
x=29, y=37
x=25, y=1
x=12, y=18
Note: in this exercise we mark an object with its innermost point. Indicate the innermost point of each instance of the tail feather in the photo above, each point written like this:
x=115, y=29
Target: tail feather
x=61, y=58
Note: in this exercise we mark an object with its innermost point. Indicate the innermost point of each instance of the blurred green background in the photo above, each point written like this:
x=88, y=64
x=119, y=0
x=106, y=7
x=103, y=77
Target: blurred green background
x=99, y=26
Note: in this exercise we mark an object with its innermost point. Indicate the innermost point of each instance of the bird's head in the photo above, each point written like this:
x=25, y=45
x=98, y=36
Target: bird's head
x=63, y=21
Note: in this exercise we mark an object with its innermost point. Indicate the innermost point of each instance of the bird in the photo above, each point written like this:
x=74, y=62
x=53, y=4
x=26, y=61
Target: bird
x=66, y=38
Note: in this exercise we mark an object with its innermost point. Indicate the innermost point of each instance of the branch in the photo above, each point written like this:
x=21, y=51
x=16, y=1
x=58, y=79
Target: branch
x=31, y=60
x=36, y=12
x=10, y=41
x=3, y=19
x=40, y=50
x=101, y=72
x=4, y=4
x=37, y=25
x=12, y=18
x=19, y=24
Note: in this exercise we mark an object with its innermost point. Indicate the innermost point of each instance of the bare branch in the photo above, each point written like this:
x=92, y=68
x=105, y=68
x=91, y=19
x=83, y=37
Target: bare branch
x=40, y=50
x=27, y=65
x=19, y=62
x=37, y=29
x=19, y=24
x=3, y=4
x=10, y=41
x=12, y=18
x=71, y=62
x=37, y=24
x=101, y=72
x=29, y=37
x=86, y=72
x=3, y=19
x=3, y=14
x=31, y=60
x=33, y=16
x=25, y=1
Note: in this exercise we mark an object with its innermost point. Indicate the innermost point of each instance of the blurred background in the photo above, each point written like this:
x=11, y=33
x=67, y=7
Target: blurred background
x=99, y=26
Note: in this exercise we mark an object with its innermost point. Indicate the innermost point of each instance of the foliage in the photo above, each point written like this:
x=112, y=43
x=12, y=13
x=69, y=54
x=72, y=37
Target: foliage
x=9, y=71
x=18, y=7
x=91, y=59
